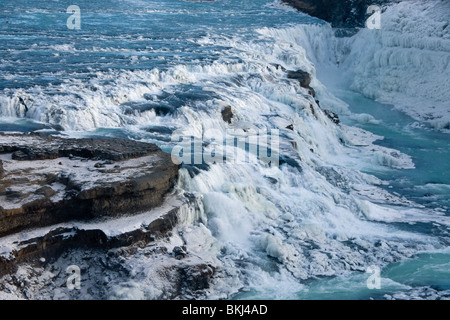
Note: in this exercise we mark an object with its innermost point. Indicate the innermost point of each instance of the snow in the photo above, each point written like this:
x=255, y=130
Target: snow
x=111, y=227
x=82, y=172
x=136, y=272
x=411, y=68
x=407, y=61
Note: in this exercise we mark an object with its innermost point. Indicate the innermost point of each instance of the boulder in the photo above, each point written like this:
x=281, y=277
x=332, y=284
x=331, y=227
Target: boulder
x=304, y=78
x=227, y=114
x=179, y=253
x=332, y=116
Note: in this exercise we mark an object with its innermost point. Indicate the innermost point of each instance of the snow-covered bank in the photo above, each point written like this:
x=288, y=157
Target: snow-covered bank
x=406, y=63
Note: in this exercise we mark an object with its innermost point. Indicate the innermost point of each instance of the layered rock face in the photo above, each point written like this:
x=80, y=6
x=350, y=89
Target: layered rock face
x=47, y=180
x=340, y=13
x=93, y=203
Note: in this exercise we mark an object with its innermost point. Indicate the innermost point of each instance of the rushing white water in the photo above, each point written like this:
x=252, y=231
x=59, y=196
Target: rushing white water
x=309, y=225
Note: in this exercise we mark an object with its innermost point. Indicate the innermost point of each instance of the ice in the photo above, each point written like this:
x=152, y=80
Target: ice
x=405, y=63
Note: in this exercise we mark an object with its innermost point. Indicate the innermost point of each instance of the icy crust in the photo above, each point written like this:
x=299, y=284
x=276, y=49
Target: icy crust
x=377, y=155
x=141, y=270
x=82, y=173
x=407, y=62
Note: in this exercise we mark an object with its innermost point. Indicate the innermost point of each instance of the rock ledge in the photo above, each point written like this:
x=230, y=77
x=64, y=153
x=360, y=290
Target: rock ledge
x=46, y=180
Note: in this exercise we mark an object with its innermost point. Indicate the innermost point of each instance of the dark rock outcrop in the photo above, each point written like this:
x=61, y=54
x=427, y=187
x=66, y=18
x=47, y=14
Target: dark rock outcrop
x=101, y=250
x=332, y=116
x=195, y=277
x=49, y=245
x=290, y=127
x=38, y=146
x=340, y=13
x=48, y=180
x=179, y=252
x=304, y=78
x=227, y=114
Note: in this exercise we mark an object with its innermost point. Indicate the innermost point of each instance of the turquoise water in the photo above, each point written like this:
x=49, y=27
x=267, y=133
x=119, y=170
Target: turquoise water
x=413, y=277
x=426, y=275
x=421, y=277
x=429, y=183
x=38, y=48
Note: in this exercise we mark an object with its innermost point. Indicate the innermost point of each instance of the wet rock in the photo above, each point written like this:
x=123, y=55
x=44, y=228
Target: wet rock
x=19, y=155
x=23, y=105
x=46, y=191
x=332, y=116
x=227, y=114
x=271, y=180
x=278, y=66
x=302, y=76
x=195, y=277
x=13, y=194
x=290, y=162
x=195, y=169
x=290, y=127
x=99, y=165
x=313, y=111
x=179, y=253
